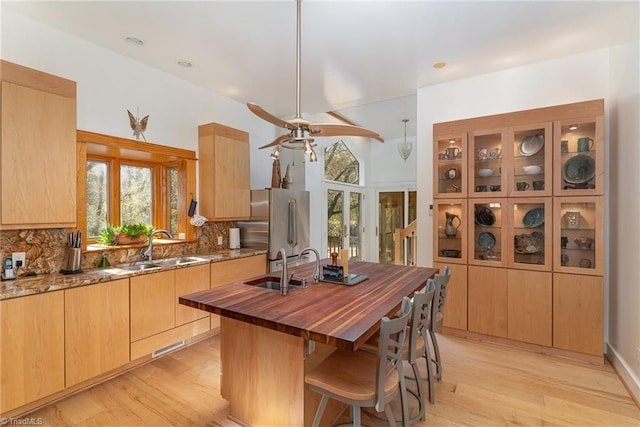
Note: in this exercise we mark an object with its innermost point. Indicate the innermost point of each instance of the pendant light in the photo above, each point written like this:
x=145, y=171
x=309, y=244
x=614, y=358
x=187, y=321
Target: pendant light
x=404, y=148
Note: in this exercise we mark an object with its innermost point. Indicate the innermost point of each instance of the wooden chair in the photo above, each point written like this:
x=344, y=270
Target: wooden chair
x=363, y=378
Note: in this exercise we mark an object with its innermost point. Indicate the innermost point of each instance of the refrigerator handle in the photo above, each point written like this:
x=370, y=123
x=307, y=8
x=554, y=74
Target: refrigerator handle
x=292, y=234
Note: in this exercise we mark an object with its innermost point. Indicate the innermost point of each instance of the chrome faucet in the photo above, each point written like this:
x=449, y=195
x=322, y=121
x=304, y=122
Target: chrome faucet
x=284, y=279
x=316, y=269
x=148, y=251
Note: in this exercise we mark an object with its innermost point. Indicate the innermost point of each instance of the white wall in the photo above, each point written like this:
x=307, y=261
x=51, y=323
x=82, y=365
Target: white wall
x=624, y=212
x=571, y=79
x=109, y=84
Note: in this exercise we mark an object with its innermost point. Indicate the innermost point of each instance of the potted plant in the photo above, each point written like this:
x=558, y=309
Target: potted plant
x=125, y=234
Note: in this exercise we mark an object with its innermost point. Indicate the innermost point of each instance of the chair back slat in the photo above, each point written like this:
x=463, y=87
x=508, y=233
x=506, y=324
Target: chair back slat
x=437, y=309
x=420, y=318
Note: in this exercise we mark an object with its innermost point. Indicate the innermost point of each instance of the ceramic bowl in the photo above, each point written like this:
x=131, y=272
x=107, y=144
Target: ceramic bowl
x=485, y=172
x=583, y=242
x=532, y=169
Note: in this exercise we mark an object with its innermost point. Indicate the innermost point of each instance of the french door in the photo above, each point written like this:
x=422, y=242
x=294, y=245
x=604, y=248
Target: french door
x=344, y=220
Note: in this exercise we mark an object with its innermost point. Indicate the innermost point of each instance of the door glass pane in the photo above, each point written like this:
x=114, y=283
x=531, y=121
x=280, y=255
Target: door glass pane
x=335, y=224
x=355, y=220
x=413, y=206
x=136, y=195
x=97, y=197
x=391, y=216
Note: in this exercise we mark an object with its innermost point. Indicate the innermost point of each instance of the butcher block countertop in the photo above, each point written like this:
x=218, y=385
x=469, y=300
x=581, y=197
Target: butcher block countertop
x=334, y=314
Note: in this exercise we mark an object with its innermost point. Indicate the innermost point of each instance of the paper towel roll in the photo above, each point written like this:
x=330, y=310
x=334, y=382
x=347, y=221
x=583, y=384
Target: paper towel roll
x=234, y=238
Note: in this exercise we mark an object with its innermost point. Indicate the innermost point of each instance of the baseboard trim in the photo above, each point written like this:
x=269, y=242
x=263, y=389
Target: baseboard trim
x=628, y=377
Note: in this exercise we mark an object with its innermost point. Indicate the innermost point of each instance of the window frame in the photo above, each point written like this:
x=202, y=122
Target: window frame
x=117, y=151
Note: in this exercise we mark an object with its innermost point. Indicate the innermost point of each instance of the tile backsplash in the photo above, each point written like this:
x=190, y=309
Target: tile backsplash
x=44, y=248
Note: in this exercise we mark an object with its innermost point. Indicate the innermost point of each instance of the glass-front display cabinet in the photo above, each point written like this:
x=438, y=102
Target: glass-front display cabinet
x=578, y=235
x=450, y=217
x=486, y=228
x=530, y=228
x=531, y=161
x=579, y=157
x=486, y=178
x=450, y=171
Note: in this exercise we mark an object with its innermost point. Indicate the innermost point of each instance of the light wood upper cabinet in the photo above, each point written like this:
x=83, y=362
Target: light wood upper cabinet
x=96, y=329
x=223, y=155
x=31, y=348
x=152, y=304
x=38, y=149
x=190, y=280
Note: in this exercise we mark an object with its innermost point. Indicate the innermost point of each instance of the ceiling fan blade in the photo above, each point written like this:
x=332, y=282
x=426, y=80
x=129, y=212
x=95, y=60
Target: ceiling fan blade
x=331, y=129
x=264, y=115
x=279, y=140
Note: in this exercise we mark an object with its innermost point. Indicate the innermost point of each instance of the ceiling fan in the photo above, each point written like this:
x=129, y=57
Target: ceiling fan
x=302, y=131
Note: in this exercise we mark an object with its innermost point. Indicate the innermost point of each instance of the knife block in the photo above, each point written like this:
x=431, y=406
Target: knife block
x=71, y=261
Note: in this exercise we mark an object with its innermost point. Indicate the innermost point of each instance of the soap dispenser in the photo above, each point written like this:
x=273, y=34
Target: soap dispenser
x=104, y=262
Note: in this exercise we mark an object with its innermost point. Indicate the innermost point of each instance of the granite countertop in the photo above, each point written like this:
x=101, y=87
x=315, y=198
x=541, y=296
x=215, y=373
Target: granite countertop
x=57, y=281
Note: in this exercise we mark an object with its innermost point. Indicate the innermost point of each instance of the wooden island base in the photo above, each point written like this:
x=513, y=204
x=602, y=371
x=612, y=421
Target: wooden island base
x=258, y=361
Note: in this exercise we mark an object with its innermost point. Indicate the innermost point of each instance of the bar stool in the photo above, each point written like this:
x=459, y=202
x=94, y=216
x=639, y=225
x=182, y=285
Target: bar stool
x=437, y=315
x=365, y=379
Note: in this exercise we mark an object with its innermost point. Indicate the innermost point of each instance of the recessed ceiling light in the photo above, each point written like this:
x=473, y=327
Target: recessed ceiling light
x=439, y=65
x=134, y=40
x=452, y=141
x=573, y=127
x=185, y=64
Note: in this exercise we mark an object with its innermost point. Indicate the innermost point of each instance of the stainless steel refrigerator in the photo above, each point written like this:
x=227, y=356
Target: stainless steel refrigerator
x=279, y=219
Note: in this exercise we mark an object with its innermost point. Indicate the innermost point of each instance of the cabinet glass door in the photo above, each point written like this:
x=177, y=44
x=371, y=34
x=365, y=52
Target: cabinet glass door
x=450, y=172
x=450, y=230
x=578, y=157
x=578, y=241
x=530, y=166
x=486, y=168
x=530, y=224
x=486, y=239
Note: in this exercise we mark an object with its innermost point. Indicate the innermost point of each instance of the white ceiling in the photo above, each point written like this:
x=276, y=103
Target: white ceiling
x=354, y=53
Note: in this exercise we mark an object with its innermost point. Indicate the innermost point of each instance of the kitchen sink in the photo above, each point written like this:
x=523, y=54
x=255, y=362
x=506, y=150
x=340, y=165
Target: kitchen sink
x=271, y=282
x=179, y=261
x=138, y=267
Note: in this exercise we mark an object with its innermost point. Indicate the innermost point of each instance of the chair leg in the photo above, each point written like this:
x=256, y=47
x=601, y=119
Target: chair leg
x=421, y=397
x=403, y=401
x=428, y=361
x=436, y=358
x=321, y=406
x=390, y=417
x=355, y=416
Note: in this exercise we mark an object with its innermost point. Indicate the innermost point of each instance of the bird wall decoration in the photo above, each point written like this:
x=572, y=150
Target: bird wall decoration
x=138, y=126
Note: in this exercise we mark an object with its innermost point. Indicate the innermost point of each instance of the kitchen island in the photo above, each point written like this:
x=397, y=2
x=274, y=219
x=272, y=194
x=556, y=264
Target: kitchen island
x=269, y=341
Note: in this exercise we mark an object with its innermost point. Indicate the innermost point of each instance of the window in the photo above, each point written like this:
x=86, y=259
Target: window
x=340, y=165
x=128, y=182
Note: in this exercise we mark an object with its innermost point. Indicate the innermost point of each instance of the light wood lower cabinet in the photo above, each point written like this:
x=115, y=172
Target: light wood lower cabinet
x=188, y=281
x=96, y=329
x=225, y=272
x=578, y=313
x=529, y=306
x=488, y=300
x=158, y=320
x=152, y=304
x=31, y=348
x=455, y=306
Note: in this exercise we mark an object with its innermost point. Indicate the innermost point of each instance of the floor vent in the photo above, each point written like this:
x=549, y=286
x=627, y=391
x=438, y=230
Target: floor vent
x=167, y=349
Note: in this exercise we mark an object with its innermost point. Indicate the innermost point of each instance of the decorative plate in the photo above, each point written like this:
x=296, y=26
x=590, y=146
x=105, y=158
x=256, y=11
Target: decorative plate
x=486, y=240
x=484, y=216
x=579, y=169
x=534, y=218
x=531, y=144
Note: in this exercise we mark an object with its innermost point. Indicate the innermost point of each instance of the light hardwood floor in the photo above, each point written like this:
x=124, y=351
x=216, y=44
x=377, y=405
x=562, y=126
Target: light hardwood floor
x=483, y=385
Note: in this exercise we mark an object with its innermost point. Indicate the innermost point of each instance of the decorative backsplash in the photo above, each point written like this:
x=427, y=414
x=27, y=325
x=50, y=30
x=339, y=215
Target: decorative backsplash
x=44, y=248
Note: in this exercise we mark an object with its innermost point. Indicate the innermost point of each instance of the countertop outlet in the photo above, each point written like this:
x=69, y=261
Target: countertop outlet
x=219, y=240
